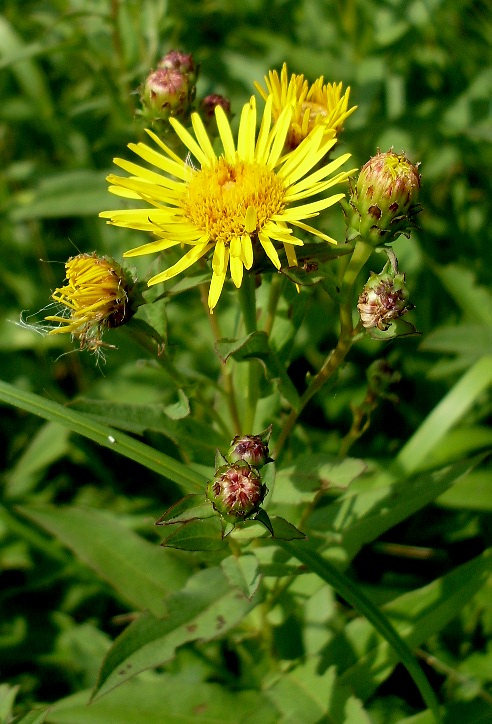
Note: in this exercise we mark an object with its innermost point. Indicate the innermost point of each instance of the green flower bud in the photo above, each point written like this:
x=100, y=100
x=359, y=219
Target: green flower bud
x=384, y=200
x=184, y=63
x=236, y=492
x=250, y=448
x=383, y=299
x=165, y=93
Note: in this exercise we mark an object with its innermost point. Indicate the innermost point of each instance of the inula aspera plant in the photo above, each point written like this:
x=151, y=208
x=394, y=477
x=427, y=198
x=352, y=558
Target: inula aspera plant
x=254, y=269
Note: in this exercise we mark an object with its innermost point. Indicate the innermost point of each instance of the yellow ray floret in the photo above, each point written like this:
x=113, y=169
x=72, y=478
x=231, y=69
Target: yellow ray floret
x=313, y=105
x=240, y=203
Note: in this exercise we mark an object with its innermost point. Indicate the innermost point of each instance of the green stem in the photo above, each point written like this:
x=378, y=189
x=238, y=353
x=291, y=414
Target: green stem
x=226, y=375
x=362, y=252
x=273, y=300
x=247, y=300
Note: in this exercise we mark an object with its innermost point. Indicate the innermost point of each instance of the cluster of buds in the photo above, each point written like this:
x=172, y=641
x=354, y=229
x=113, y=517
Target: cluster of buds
x=236, y=490
x=170, y=89
x=383, y=203
x=382, y=303
x=169, y=92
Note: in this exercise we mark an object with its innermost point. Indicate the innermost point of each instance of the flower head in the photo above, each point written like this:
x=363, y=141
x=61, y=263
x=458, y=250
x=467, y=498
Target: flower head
x=97, y=296
x=317, y=105
x=240, y=204
x=253, y=449
x=383, y=299
x=384, y=200
x=236, y=491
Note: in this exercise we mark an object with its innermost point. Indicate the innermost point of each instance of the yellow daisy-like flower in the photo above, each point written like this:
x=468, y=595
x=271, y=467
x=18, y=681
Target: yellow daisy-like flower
x=315, y=105
x=236, y=204
x=95, y=298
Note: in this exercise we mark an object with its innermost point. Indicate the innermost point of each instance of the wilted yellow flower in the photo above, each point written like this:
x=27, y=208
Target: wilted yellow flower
x=238, y=204
x=317, y=105
x=95, y=298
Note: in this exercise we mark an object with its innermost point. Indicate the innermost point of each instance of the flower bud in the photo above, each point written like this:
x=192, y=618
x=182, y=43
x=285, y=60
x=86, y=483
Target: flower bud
x=99, y=295
x=167, y=92
x=250, y=448
x=182, y=62
x=236, y=492
x=208, y=106
x=384, y=200
x=383, y=299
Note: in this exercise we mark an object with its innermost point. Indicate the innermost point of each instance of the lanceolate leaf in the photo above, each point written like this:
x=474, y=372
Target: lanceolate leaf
x=140, y=572
x=181, y=474
x=351, y=592
x=205, y=609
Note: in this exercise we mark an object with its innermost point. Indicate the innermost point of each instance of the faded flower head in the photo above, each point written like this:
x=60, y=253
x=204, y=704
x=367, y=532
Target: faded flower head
x=98, y=296
x=384, y=200
x=313, y=105
x=241, y=204
x=236, y=491
x=383, y=300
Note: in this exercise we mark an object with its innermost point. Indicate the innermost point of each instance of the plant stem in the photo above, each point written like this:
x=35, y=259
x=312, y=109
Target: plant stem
x=226, y=375
x=247, y=300
x=360, y=255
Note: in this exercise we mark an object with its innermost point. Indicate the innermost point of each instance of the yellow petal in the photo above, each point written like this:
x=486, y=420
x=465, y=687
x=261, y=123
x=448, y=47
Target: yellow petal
x=236, y=266
x=215, y=289
x=270, y=250
x=186, y=261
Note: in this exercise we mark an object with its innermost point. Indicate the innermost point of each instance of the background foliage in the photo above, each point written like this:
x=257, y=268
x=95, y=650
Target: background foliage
x=76, y=519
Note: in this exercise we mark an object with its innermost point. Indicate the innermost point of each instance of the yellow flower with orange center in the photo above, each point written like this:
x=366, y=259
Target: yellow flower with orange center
x=317, y=105
x=238, y=204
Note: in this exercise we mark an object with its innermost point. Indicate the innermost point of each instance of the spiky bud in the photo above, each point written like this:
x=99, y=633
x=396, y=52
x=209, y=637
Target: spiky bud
x=384, y=200
x=236, y=491
x=253, y=449
x=210, y=103
x=184, y=63
x=165, y=93
x=383, y=299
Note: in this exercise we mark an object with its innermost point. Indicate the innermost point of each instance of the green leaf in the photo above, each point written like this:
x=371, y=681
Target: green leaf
x=188, y=508
x=445, y=415
x=352, y=593
x=178, y=410
x=140, y=572
x=80, y=192
x=416, y=616
x=48, y=445
x=360, y=516
x=181, y=474
x=165, y=699
x=205, y=609
x=473, y=341
x=284, y=530
x=186, y=433
x=474, y=300
x=254, y=345
x=312, y=473
x=7, y=699
x=243, y=573
x=309, y=696
x=36, y=716
x=197, y=535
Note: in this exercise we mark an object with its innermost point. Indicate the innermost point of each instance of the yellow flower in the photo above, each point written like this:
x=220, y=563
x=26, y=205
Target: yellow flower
x=238, y=204
x=95, y=298
x=318, y=105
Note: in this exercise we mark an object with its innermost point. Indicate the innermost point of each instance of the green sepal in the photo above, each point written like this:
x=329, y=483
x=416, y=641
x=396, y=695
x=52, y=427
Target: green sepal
x=191, y=507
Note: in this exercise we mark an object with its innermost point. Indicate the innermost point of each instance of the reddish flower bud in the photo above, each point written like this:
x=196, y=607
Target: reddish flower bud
x=236, y=491
x=166, y=92
x=384, y=198
x=184, y=63
x=209, y=104
x=250, y=448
